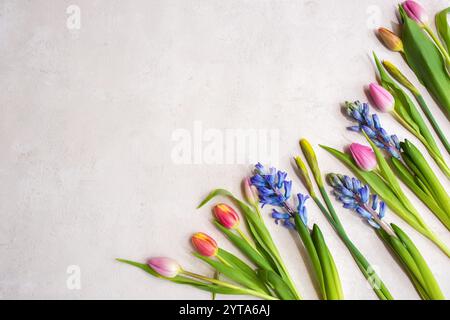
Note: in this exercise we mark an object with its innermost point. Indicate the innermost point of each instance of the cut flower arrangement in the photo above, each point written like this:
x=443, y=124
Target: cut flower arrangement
x=256, y=268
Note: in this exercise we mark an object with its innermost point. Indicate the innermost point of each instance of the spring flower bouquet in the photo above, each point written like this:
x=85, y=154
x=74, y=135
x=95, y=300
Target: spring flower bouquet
x=356, y=196
x=255, y=267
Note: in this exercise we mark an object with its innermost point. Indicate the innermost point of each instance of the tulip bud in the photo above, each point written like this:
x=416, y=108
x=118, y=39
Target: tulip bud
x=399, y=76
x=382, y=98
x=204, y=244
x=251, y=193
x=226, y=216
x=363, y=156
x=390, y=40
x=166, y=267
x=415, y=11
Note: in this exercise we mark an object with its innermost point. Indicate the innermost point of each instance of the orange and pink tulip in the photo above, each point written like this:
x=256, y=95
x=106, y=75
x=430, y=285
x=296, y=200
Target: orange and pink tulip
x=226, y=216
x=204, y=244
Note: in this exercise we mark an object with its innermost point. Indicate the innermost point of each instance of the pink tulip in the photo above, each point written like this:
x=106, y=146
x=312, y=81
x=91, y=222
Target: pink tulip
x=415, y=11
x=226, y=216
x=166, y=267
x=204, y=244
x=363, y=156
x=382, y=98
x=251, y=194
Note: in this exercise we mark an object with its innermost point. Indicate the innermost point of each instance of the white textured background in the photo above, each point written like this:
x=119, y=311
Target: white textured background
x=86, y=123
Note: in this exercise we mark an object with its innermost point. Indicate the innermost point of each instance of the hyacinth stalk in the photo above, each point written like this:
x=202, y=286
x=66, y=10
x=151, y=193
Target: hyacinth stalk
x=406, y=113
x=275, y=190
x=262, y=250
x=199, y=281
x=356, y=196
x=403, y=80
x=329, y=212
x=410, y=165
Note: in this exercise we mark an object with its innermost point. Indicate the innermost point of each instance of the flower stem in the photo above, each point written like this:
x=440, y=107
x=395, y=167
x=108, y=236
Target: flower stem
x=223, y=260
x=433, y=122
x=380, y=222
x=438, y=43
x=247, y=239
x=228, y=285
x=436, y=157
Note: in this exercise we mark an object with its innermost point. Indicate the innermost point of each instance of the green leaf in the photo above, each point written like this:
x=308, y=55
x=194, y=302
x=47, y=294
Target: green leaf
x=305, y=236
x=236, y=262
x=330, y=274
x=426, y=61
x=437, y=189
x=234, y=274
x=443, y=26
x=433, y=290
x=244, y=247
x=392, y=181
x=415, y=184
x=407, y=262
x=184, y=280
x=280, y=287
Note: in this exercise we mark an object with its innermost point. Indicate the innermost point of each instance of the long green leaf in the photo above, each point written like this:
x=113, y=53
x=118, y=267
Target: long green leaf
x=406, y=262
x=443, y=26
x=234, y=274
x=426, y=61
x=305, y=236
x=433, y=289
x=184, y=280
x=330, y=274
x=415, y=184
x=279, y=285
x=245, y=248
x=236, y=262
x=437, y=189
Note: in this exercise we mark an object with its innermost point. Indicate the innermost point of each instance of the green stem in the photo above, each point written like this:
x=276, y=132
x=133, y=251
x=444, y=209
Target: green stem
x=286, y=274
x=225, y=262
x=433, y=122
x=277, y=257
x=228, y=285
x=437, y=157
x=432, y=236
x=438, y=43
x=374, y=280
x=243, y=235
x=308, y=243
